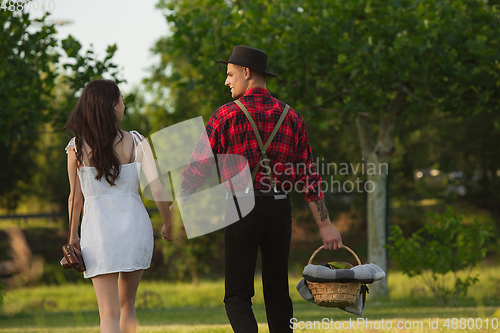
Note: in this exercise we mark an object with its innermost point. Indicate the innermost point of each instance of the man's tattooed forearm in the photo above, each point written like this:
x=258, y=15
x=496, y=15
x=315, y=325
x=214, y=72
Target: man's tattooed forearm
x=320, y=205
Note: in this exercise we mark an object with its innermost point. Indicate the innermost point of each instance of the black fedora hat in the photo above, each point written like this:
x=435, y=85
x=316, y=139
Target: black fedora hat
x=249, y=57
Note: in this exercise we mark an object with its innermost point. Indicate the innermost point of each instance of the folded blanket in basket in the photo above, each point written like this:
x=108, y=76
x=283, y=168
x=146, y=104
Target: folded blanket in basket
x=356, y=309
x=366, y=273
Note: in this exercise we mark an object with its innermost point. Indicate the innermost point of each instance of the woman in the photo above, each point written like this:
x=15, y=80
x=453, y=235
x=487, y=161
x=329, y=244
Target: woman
x=117, y=236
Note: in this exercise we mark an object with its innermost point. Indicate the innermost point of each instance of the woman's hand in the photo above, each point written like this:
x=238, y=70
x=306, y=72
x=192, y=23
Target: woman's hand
x=166, y=230
x=166, y=233
x=75, y=242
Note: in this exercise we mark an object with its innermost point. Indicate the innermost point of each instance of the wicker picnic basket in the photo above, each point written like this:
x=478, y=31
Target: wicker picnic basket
x=334, y=294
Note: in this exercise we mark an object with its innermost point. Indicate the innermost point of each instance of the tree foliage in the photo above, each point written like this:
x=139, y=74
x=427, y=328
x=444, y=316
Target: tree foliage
x=33, y=103
x=26, y=79
x=336, y=56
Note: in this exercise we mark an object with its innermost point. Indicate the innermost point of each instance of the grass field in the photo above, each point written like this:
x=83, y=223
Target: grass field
x=181, y=307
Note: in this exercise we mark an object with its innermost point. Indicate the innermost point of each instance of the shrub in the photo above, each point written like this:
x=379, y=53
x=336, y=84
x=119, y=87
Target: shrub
x=442, y=246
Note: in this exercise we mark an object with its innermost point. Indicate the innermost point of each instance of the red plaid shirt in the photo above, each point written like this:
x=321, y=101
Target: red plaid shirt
x=230, y=132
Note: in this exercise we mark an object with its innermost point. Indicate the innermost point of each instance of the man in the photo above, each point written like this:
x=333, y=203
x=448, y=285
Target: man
x=286, y=162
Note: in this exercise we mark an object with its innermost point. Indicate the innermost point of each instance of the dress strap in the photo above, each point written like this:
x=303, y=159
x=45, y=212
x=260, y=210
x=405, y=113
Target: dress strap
x=70, y=143
x=138, y=139
x=132, y=151
x=73, y=144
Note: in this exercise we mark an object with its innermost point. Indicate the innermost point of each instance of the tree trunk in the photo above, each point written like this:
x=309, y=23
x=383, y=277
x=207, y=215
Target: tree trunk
x=376, y=158
x=24, y=268
x=376, y=218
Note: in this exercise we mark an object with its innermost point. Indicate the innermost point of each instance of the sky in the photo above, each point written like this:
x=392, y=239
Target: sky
x=133, y=25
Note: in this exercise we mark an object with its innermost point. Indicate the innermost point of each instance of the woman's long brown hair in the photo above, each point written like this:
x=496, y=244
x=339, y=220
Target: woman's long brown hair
x=94, y=120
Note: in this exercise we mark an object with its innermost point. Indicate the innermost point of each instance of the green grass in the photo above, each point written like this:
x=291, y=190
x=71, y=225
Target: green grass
x=181, y=307
x=213, y=319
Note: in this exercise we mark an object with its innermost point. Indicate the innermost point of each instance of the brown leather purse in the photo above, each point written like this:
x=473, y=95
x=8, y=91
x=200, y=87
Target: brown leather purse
x=72, y=256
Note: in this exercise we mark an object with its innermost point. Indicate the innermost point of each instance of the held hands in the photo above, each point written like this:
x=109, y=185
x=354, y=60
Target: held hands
x=331, y=237
x=166, y=230
x=166, y=233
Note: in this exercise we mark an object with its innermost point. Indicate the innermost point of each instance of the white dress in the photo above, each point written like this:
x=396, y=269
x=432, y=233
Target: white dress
x=116, y=231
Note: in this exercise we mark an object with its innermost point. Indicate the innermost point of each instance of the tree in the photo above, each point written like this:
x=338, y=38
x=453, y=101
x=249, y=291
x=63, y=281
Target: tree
x=26, y=79
x=30, y=67
x=362, y=60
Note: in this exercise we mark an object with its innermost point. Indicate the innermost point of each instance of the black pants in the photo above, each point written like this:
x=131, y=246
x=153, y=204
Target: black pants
x=268, y=226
